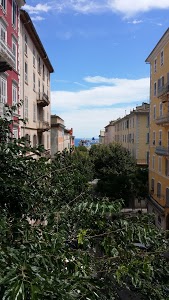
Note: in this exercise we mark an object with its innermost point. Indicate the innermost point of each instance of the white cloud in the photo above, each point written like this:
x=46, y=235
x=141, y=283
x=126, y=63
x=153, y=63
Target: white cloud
x=127, y=7
x=135, y=22
x=38, y=8
x=132, y=7
x=37, y=18
x=87, y=111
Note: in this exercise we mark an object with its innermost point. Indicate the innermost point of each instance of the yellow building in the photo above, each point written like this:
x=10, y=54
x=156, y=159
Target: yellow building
x=159, y=132
x=132, y=131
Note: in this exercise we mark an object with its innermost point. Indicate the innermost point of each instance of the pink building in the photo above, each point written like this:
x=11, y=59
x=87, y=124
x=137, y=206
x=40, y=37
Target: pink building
x=9, y=51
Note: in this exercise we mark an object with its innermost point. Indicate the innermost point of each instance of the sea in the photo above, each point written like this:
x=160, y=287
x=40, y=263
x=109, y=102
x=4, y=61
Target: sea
x=77, y=140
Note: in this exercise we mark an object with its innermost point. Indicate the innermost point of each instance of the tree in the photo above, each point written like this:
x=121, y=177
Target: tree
x=72, y=246
x=115, y=168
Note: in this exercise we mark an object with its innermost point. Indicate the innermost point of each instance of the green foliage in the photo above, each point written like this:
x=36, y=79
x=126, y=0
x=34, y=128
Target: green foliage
x=115, y=168
x=59, y=241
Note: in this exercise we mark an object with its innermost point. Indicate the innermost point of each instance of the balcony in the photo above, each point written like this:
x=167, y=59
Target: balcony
x=43, y=126
x=163, y=92
x=42, y=99
x=163, y=151
x=163, y=120
x=7, y=58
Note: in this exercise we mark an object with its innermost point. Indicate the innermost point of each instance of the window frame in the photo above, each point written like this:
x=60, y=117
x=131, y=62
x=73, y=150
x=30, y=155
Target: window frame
x=4, y=5
x=26, y=104
x=162, y=57
x=14, y=94
x=14, y=14
x=26, y=72
x=3, y=87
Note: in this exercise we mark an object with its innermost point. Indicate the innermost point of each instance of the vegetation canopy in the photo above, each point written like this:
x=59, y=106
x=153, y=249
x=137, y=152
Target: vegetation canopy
x=59, y=240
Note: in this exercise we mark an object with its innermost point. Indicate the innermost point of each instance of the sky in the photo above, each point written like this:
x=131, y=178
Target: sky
x=98, y=50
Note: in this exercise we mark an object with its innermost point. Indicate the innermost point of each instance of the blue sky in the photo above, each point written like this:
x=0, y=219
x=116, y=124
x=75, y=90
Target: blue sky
x=98, y=50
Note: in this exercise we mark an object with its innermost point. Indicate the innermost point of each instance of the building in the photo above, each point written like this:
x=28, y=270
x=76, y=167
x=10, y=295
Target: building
x=61, y=138
x=158, y=201
x=101, y=136
x=132, y=132
x=9, y=56
x=109, y=133
x=35, y=70
x=68, y=139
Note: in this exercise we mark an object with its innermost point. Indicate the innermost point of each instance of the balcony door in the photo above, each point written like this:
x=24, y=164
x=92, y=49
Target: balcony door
x=3, y=32
x=168, y=140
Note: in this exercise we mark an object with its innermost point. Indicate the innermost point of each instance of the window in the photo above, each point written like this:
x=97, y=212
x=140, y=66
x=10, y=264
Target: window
x=153, y=162
x=47, y=78
x=133, y=138
x=39, y=86
x=3, y=30
x=43, y=72
x=160, y=109
x=43, y=88
x=147, y=141
x=159, y=190
x=14, y=13
x=167, y=167
x=3, y=88
x=34, y=82
x=160, y=82
x=162, y=58
x=26, y=107
x=34, y=58
x=34, y=141
x=167, y=197
x=3, y=4
x=152, y=184
x=34, y=112
x=14, y=49
x=155, y=65
x=15, y=133
x=133, y=122
x=154, y=138
x=147, y=157
x=14, y=95
x=148, y=120
x=160, y=137
x=159, y=164
x=26, y=44
x=155, y=88
x=26, y=72
x=39, y=65
x=154, y=112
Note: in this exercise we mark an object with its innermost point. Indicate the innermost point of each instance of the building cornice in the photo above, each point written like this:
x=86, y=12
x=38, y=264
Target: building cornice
x=161, y=43
x=28, y=24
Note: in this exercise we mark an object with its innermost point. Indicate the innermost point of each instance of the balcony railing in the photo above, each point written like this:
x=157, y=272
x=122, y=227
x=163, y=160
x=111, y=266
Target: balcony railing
x=163, y=151
x=163, y=120
x=43, y=126
x=163, y=90
x=6, y=55
x=42, y=99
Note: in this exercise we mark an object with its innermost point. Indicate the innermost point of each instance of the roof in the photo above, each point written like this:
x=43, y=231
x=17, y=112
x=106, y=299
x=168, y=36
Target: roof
x=55, y=116
x=148, y=58
x=25, y=18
